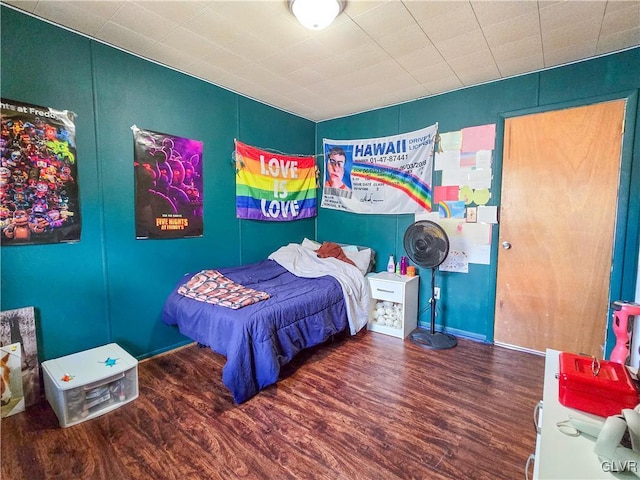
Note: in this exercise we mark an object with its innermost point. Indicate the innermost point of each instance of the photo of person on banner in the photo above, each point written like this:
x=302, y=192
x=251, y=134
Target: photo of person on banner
x=337, y=172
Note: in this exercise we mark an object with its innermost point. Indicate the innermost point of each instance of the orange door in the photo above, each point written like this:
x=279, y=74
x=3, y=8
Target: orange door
x=559, y=192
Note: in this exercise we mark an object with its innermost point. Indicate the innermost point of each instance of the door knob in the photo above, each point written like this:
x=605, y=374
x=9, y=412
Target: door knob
x=506, y=245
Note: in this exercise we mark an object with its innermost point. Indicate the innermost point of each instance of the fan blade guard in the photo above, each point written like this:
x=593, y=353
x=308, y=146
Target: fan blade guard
x=426, y=243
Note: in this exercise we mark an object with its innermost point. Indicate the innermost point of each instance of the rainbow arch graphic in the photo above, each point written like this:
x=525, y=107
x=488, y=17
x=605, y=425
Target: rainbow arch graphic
x=410, y=184
x=445, y=210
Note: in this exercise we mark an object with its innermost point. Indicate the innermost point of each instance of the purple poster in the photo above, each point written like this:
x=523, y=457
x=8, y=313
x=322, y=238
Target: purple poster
x=38, y=176
x=168, y=180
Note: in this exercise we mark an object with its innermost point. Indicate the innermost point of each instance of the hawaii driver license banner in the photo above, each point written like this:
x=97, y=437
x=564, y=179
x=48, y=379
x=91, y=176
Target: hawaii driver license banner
x=386, y=175
x=168, y=180
x=38, y=176
x=274, y=187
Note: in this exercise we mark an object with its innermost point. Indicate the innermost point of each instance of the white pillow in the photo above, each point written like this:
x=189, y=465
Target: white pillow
x=361, y=258
x=349, y=248
x=310, y=244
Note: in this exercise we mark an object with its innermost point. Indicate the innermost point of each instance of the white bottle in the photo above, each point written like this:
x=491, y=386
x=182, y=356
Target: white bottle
x=391, y=265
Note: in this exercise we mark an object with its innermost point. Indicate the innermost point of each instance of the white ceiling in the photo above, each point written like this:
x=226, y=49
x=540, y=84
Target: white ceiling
x=377, y=53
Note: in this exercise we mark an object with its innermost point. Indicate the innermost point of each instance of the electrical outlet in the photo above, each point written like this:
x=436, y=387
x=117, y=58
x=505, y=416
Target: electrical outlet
x=436, y=293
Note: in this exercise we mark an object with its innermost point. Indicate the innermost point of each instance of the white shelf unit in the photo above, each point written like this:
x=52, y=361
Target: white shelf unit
x=393, y=292
x=87, y=384
x=559, y=456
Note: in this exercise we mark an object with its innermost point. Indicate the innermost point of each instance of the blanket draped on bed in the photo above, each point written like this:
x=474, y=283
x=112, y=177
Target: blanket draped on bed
x=258, y=339
x=212, y=287
x=305, y=263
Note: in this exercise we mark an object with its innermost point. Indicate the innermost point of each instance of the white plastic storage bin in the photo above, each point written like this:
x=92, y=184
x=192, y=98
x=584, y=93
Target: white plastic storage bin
x=87, y=384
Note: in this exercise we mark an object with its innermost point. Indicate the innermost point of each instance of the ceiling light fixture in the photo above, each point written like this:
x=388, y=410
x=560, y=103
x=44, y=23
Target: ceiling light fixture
x=316, y=14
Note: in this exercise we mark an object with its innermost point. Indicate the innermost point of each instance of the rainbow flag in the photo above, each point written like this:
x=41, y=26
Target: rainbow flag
x=274, y=187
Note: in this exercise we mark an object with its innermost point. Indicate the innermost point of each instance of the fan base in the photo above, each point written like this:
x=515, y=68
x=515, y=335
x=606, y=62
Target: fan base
x=433, y=340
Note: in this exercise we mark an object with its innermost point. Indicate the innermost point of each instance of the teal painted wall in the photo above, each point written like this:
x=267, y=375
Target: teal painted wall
x=110, y=287
x=468, y=300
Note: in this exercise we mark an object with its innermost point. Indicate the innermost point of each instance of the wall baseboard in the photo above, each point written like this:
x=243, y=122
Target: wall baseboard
x=166, y=351
x=456, y=332
x=519, y=349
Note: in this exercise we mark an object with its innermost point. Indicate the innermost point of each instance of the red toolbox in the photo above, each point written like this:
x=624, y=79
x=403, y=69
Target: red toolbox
x=600, y=387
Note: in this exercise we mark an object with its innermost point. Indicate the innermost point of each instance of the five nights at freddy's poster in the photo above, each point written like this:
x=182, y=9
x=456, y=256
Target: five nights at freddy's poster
x=38, y=176
x=168, y=185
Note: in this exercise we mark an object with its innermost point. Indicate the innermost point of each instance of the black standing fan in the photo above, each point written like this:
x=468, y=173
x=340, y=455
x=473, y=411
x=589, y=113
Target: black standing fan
x=427, y=245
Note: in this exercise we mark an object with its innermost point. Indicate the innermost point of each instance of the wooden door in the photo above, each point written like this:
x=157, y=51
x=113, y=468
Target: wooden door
x=559, y=191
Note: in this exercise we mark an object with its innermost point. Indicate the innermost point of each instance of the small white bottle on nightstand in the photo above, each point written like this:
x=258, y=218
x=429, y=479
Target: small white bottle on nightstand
x=391, y=265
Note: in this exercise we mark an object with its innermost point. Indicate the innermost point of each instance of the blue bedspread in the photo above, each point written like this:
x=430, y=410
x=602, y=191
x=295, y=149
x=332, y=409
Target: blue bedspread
x=258, y=339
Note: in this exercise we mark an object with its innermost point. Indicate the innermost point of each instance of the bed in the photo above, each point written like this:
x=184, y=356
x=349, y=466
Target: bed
x=301, y=300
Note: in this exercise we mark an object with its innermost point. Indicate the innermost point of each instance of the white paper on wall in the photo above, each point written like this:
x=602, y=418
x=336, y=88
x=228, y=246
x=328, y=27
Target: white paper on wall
x=447, y=160
x=488, y=214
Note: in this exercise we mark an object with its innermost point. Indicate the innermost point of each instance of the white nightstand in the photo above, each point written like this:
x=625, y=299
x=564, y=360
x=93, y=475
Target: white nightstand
x=394, y=304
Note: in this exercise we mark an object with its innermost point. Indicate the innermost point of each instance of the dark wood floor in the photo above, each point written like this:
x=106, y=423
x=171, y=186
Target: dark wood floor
x=364, y=407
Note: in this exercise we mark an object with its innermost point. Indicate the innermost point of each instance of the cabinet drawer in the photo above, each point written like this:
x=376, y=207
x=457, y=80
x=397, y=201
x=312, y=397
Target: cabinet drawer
x=392, y=291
